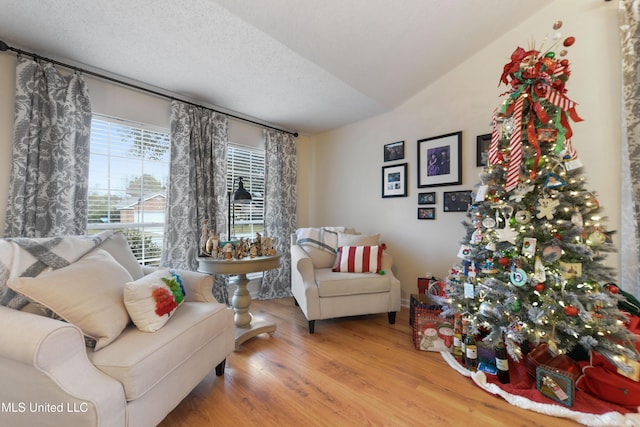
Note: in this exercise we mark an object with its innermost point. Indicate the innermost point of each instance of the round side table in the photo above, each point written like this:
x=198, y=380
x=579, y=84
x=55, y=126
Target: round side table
x=246, y=326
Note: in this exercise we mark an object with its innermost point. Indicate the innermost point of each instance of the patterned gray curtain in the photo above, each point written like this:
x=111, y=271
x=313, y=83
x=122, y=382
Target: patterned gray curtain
x=279, y=208
x=50, y=161
x=197, y=186
x=629, y=22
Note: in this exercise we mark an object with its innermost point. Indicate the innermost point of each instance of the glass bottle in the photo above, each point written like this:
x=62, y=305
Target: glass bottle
x=457, y=337
x=502, y=363
x=463, y=343
x=471, y=351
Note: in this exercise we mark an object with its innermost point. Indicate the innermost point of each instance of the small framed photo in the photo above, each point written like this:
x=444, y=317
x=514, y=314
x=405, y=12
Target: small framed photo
x=440, y=160
x=456, y=201
x=394, y=151
x=426, y=213
x=569, y=270
x=427, y=198
x=555, y=385
x=482, y=149
x=394, y=181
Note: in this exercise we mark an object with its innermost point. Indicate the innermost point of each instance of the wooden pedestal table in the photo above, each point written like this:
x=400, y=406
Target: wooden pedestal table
x=246, y=326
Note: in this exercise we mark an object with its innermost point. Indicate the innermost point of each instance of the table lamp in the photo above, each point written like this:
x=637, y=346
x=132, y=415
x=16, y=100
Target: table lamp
x=241, y=196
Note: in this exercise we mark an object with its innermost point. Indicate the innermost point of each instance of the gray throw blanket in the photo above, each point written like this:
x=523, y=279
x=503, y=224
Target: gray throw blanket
x=324, y=238
x=29, y=257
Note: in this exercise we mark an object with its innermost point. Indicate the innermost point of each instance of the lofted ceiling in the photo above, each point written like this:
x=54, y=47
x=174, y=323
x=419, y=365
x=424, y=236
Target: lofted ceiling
x=302, y=65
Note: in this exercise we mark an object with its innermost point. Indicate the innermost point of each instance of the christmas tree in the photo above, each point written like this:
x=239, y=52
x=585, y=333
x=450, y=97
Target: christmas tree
x=531, y=266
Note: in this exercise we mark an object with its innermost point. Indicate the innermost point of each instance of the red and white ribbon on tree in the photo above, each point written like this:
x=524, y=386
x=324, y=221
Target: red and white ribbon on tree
x=495, y=141
x=564, y=103
x=571, y=152
x=515, y=147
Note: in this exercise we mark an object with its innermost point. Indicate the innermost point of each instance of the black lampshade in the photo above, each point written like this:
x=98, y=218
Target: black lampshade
x=241, y=195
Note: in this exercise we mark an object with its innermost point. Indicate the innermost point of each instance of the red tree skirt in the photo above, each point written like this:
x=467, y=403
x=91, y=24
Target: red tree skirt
x=522, y=392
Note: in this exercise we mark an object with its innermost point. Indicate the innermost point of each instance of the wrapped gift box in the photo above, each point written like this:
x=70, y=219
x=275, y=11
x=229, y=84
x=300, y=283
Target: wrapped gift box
x=419, y=301
x=432, y=331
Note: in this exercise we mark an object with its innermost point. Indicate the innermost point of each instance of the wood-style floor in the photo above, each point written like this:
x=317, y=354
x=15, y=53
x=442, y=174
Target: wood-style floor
x=357, y=371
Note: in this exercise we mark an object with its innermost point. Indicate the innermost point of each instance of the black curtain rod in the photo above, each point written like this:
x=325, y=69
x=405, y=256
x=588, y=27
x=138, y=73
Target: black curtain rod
x=4, y=47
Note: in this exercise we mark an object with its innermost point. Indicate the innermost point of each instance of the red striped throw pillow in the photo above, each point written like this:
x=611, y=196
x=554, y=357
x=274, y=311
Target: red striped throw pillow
x=359, y=259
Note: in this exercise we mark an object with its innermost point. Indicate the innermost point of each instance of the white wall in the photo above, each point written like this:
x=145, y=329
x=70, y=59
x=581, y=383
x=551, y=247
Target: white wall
x=348, y=160
x=121, y=102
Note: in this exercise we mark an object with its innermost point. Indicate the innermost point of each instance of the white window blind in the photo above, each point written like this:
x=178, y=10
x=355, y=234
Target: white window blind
x=128, y=175
x=247, y=163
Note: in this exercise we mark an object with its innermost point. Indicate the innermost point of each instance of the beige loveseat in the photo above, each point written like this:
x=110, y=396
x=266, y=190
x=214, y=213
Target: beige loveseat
x=323, y=293
x=49, y=377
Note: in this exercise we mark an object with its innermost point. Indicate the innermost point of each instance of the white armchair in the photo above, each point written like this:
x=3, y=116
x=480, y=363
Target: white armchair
x=325, y=294
x=50, y=378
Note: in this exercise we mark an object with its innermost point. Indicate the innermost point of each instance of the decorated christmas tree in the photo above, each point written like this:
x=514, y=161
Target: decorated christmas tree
x=531, y=264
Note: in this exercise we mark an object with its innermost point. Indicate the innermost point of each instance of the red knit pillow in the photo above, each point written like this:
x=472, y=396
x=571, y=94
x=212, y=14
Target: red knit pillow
x=610, y=386
x=359, y=259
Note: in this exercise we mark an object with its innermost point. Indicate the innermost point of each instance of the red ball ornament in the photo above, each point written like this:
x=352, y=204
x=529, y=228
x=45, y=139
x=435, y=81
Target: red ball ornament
x=564, y=62
x=504, y=261
x=539, y=287
x=571, y=311
x=612, y=288
x=569, y=41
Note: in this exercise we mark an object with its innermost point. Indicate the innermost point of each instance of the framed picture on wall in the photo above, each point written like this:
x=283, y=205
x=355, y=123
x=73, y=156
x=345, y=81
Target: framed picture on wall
x=394, y=180
x=456, y=201
x=440, y=160
x=427, y=198
x=426, y=213
x=482, y=149
x=394, y=151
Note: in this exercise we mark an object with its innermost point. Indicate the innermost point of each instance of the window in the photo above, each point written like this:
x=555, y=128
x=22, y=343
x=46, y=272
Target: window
x=247, y=163
x=128, y=175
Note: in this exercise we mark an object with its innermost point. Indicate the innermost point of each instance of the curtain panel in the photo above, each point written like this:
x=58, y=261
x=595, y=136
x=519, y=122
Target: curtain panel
x=50, y=159
x=629, y=29
x=197, y=186
x=279, y=208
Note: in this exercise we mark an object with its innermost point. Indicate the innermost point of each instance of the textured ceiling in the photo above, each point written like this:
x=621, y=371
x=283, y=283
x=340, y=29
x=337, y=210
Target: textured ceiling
x=303, y=65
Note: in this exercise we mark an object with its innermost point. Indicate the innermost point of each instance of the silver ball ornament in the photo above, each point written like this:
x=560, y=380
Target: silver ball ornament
x=486, y=309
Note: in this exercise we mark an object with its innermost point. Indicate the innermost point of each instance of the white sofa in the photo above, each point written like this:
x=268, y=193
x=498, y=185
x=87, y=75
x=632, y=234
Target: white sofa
x=324, y=294
x=49, y=377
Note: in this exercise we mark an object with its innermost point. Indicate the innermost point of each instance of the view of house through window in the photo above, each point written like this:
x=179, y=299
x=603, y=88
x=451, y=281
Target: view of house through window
x=247, y=163
x=128, y=177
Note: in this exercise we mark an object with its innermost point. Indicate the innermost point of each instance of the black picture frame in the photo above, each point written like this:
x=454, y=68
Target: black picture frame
x=394, y=151
x=394, y=180
x=456, y=201
x=440, y=160
x=427, y=213
x=482, y=149
x=427, y=198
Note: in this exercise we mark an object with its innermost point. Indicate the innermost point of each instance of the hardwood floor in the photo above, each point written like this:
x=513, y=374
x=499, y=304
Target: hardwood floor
x=357, y=371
